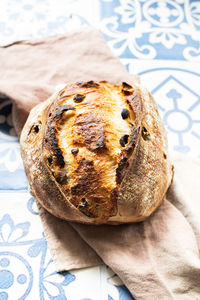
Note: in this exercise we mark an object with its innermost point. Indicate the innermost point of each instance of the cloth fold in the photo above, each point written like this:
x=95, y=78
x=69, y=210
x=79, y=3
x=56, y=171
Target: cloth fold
x=33, y=69
x=156, y=259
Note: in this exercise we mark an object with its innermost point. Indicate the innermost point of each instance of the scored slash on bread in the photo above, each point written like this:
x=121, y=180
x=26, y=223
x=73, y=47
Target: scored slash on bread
x=97, y=153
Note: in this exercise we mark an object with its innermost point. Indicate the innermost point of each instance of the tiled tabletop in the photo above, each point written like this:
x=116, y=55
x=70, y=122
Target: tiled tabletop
x=160, y=41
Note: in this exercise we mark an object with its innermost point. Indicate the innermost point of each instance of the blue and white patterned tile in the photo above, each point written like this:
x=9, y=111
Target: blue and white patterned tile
x=176, y=88
x=26, y=268
x=113, y=286
x=142, y=29
x=24, y=19
x=149, y=29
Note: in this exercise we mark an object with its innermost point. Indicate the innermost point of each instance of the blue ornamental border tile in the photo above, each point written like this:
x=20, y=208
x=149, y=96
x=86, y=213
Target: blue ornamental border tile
x=150, y=29
x=179, y=106
x=26, y=253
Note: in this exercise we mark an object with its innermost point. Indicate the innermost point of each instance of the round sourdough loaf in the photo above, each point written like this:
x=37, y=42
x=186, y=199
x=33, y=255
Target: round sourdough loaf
x=97, y=153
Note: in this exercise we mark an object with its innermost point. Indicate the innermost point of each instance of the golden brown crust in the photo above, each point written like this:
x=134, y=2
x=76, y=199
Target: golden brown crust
x=88, y=161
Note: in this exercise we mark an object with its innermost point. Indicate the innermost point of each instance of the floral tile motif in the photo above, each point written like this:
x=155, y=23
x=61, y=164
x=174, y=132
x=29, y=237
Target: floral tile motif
x=181, y=118
x=150, y=29
x=24, y=256
x=26, y=267
x=176, y=91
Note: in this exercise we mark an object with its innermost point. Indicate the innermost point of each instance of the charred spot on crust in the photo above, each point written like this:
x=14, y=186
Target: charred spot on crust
x=88, y=195
x=83, y=203
x=164, y=155
x=50, y=160
x=58, y=113
x=32, y=136
x=100, y=141
x=78, y=98
x=133, y=139
x=51, y=132
x=124, y=140
x=86, y=211
x=53, y=143
x=89, y=84
x=134, y=102
x=36, y=128
x=121, y=166
x=125, y=113
x=83, y=206
x=87, y=179
x=114, y=196
x=75, y=151
x=145, y=134
x=89, y=130
x=127, y=93
x=126, y=86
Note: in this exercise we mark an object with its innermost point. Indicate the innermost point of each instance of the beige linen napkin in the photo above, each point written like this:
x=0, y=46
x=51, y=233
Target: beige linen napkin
x=156, y=259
